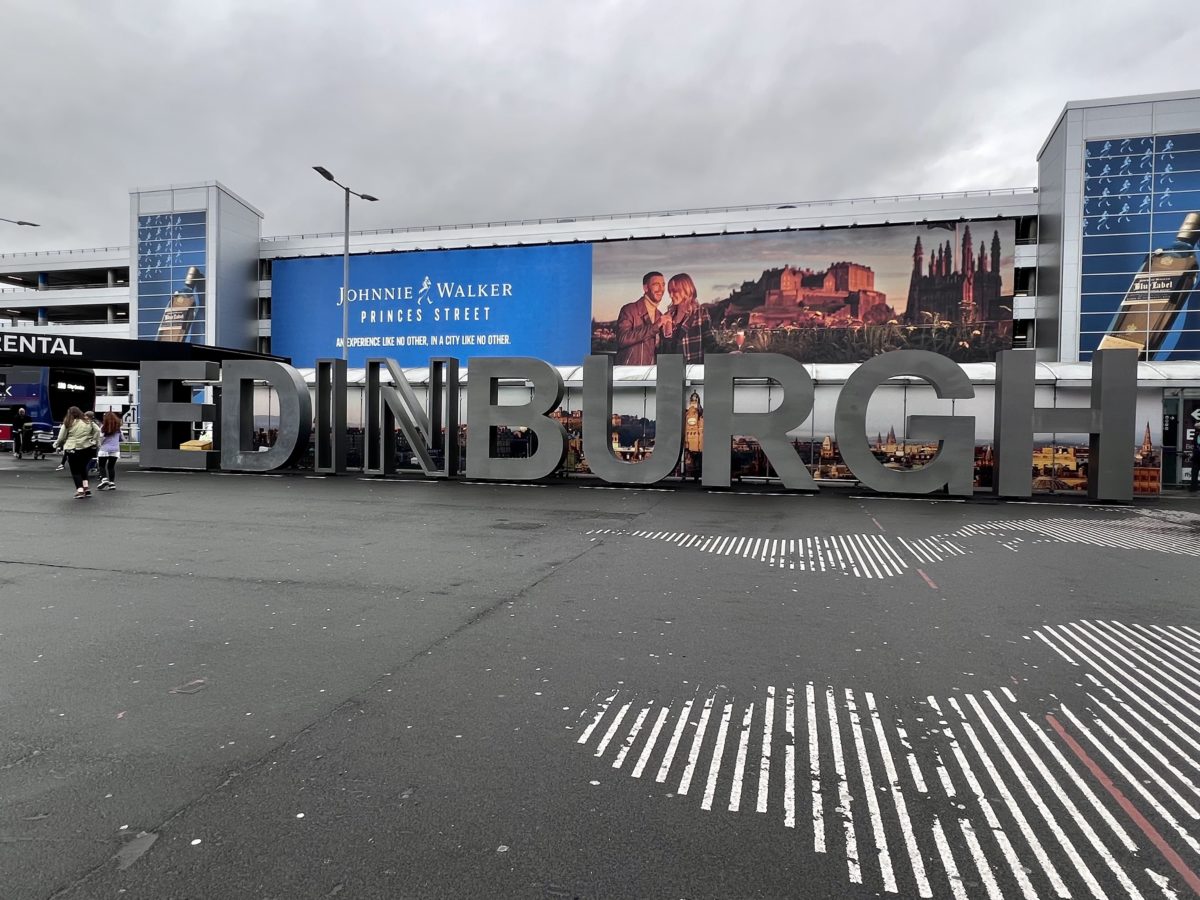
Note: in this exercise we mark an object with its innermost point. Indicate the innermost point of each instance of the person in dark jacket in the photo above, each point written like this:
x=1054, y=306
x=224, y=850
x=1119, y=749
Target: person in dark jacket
x=20, y=424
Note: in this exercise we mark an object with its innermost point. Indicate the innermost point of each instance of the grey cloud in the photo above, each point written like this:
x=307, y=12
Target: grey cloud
x=486, y=111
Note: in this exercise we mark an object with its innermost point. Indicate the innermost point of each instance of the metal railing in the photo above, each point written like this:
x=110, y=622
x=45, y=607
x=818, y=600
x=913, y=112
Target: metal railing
x=6, y=322
x=613, y=217
x=609, y=217
x=93, y=250
x=98, y=286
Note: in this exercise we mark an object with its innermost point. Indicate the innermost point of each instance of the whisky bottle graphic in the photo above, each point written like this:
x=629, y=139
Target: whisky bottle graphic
x=1157, y=296
x=180, y=313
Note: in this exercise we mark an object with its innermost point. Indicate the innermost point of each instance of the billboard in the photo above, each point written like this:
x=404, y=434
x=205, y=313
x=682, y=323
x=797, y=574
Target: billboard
x=820, y=296
x=171, y=261
x=827, y=296
x=1141, y=222
x=508, y=301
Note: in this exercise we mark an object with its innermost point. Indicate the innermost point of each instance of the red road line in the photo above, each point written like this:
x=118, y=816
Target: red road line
x=877, y=525
x=1177, y=863
x=928, y=580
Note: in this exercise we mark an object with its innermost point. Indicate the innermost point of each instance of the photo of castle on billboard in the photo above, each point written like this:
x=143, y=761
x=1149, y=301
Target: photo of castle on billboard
x=824, y=296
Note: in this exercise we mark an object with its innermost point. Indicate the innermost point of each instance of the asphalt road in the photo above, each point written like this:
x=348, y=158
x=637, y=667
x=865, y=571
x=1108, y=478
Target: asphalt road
x=288, y=687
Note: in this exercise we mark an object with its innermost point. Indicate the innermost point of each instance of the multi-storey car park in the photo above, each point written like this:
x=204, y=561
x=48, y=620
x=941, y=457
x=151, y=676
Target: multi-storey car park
x=1100, y=254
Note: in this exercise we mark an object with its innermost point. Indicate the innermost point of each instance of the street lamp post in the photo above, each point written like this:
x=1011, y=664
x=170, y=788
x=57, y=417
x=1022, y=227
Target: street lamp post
x=20, y=222
x=328, y=176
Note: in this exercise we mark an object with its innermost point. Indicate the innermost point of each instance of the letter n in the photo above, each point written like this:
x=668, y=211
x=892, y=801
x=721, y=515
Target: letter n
x=433, y=436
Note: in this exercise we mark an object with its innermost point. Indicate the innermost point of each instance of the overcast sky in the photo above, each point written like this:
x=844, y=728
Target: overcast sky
x=456, y=112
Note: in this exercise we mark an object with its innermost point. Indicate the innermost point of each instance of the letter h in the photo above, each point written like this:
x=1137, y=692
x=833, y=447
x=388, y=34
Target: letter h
x=1109, y=421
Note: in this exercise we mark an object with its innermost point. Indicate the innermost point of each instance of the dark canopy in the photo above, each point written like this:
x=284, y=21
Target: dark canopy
x=43, y=349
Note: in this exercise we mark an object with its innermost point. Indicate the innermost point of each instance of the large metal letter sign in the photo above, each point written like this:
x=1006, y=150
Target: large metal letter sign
x=597, y=410
x=1109, y=420
x=954, y=464
x=237, y=415
x=331, y=442
x=721, y=423
x=484, y=413
x=168, y=414
x=433, y=436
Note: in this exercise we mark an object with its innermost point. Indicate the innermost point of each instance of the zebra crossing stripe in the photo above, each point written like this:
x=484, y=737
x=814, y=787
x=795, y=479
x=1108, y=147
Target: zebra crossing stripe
x=943, y=848
x=710, y=788
x=1000, y=770
x=906, y=829
x=739, y=766
x=814, y=771
x=868, y=780
x=844, y=806
x=674, y=743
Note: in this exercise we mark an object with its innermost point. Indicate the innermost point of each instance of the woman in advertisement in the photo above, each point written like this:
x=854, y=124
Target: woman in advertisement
x=687, y=331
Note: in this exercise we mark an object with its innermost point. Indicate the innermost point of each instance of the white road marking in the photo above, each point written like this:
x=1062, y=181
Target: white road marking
x=674, y=743
x=844, y=804
x=650, y=741
x=1138, y=683
x=814, y=771
x=876, y=819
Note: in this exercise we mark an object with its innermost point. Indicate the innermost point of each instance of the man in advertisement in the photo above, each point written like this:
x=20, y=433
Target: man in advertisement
x=640, y=324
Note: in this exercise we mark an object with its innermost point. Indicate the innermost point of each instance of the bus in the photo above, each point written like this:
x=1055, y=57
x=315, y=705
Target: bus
x=46, y=393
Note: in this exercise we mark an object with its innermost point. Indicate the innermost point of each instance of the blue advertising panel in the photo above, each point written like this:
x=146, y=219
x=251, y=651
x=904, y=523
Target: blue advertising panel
x=511, y=301
x=1141, y=226
x=171, y=261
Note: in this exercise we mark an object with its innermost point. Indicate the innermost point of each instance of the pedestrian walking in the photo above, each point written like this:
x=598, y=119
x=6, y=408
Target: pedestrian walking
x=20, y=423
x=110, y=450
x=1195, y=458
x=79, y=438
x=92, y=465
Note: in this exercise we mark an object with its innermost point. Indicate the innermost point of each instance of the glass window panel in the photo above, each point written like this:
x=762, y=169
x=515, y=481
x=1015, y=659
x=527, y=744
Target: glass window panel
x=1105, y=284
x=1118, y=204
x=1114, y=223
x=1177, y=181
x=1167, y=143
x=1118, y=243
x=1110, y=263
x=1112, y=185
x=1119, y=166
x=1117, y=146
x=1100, y=303
x=1099, y=322
x=1177, y=162
x=1180, y=202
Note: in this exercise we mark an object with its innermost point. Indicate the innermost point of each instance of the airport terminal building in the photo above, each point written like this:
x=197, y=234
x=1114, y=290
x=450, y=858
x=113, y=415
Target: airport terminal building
x=1102, y=253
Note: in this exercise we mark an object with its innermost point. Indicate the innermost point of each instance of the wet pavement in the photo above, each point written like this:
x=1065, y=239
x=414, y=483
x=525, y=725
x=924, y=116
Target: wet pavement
x=247, y=686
